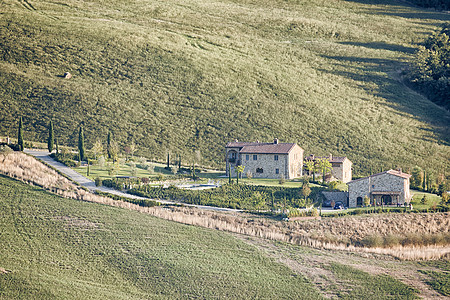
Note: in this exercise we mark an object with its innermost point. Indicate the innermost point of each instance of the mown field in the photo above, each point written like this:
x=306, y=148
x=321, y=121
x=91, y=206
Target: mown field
x=54, y=247
x=192, y=75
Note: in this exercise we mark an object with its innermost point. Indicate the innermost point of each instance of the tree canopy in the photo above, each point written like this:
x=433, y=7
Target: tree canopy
x=430, y=71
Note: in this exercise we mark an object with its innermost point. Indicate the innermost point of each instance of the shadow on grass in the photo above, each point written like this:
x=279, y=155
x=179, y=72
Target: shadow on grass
x=376, y=70
x=382, y=46
x=404, y=9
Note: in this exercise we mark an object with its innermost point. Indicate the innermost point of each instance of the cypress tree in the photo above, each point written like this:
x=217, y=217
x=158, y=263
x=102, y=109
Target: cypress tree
x=179, y=162
x=56, y=145
x=81, y=143
x=108, y=144
x=168, y=161
x=424, y=182
x=51, y=137
x=20, y=136
x=229, y=174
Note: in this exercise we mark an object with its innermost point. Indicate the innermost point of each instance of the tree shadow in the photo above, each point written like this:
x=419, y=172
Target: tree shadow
x=404, y=10
x=376, y=70
x=383, y=46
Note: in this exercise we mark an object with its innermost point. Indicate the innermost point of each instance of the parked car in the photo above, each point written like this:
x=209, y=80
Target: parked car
x=339, y=205
x=326, y=203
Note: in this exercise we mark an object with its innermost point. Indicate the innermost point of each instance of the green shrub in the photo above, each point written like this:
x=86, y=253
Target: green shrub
x=59, y=157
x=372, y=241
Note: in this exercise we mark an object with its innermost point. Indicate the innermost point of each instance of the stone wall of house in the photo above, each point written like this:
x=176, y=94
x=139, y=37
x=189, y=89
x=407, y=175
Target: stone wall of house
x=267, y=163
x=295, y=163
x=359, y=188
x=380, y=183
x=342, y=171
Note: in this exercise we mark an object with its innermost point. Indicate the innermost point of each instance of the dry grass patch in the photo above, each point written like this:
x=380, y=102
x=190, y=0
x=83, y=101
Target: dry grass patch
x=337, y=234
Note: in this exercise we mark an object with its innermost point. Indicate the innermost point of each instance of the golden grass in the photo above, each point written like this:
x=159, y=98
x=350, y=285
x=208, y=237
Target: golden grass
x=333, y=234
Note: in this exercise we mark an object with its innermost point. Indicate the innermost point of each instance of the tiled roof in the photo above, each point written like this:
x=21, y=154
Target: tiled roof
x=399, y=174
x=391, y=172
x=243, y=144
x=334, y=159
x=280, y=148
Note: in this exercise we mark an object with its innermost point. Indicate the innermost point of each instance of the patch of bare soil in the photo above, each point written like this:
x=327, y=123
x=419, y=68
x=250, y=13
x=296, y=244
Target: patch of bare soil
x=312, y=263
x=4, y=271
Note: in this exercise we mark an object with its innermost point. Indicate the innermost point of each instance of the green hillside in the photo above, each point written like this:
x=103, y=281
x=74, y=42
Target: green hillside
x=192, y=75
x=56, y=248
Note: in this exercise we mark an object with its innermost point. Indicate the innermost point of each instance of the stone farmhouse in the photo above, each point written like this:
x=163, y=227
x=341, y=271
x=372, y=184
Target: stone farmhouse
x=341, y=167
x=265, y=160
x=386, y=188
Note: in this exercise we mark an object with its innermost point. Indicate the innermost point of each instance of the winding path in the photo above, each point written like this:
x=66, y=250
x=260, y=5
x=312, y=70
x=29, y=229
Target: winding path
x=88, y=183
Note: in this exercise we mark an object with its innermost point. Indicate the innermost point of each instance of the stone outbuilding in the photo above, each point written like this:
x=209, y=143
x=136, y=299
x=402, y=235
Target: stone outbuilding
x=341, y=167
x=386, y=188
x=265, y=160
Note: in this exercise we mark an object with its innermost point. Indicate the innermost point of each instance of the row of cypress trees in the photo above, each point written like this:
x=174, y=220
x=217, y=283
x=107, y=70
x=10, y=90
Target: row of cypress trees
x=51, y=141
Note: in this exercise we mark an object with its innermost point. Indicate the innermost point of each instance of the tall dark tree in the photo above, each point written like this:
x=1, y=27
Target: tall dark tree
x=168, y=161
x=179, y=162
x=56, y=145
x=20, y=135
x=108, y=145
x=51, y=137
x=81, y=144
x=424, y=182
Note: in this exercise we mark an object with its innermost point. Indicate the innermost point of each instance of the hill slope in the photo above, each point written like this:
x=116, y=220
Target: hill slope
x=185, y=75
x=52, y=247
x=59, y=248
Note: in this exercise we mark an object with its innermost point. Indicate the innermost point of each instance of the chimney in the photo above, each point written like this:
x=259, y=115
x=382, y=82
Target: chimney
x=275, y=141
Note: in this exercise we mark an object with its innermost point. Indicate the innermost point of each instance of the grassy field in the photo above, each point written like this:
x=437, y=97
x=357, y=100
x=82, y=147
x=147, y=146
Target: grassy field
x=60, y=248
x=54, y=247
x=191, y=75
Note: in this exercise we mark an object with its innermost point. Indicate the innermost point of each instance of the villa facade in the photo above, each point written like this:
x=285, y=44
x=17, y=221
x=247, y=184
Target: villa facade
x=265, y=160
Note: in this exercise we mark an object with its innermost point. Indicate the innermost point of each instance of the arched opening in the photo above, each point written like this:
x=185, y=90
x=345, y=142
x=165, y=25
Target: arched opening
x=386, y=199
x=359, y=201
x=232, y=155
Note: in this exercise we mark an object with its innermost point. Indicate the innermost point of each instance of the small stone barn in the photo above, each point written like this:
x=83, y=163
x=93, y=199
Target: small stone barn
x=386, y=188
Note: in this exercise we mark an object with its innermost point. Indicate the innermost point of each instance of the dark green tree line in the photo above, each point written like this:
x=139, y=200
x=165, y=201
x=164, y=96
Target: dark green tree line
x=430, y=71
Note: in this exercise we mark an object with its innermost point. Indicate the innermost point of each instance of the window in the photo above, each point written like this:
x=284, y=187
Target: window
x=255, y=157
x=233, y=155
x=247, y=157
x=275, y=157
x=359, y=201
x=259, y=170
x=277, y=171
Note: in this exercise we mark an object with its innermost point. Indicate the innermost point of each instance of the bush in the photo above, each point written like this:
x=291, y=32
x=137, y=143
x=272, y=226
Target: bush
x=5, y=149
x=59, y=157
x=372, y=241
x=98, y=181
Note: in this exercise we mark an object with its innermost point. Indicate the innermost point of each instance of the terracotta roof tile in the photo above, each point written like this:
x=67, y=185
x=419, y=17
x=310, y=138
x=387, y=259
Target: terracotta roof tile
x=334, y=159
x=280, y=148
x=391, y=172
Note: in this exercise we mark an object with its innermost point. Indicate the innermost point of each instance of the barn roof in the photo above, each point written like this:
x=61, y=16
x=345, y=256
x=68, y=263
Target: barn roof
x=397, y=173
